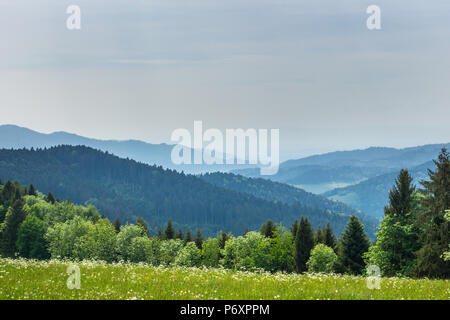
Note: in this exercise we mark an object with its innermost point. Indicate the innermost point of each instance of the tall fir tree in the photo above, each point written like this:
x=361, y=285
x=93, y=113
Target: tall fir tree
x=294, y=228
x=400, y=196
x=328, y=237
x=169, y=232
x=198, y=238
x=117, y=225
x=179, y=234
x=188, y=236
x=353, y=244
x=10, y=226
x=318, y=236
x=50, y=198
x=140, y=222
x=32, y=190
x=223, y=238
x=304, y=243
x=435, y=238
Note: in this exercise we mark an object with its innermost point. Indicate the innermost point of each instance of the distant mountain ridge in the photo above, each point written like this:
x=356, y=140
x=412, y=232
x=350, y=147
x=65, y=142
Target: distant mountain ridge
x=15, y=137
x=320, y=173
x=372, y=195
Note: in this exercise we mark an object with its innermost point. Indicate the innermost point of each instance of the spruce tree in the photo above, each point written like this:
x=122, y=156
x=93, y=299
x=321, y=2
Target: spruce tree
x=352, y=246
x=50, y=198
x=318, y=238
x=245, y=232
x=9, y=231
x=160, y=234
x=304, y=242
x=198, y=238
x=32, y=191
x=9, y=190
x=117, y=225
x=169, y=232
x=434, y=238
x=223, y=238
x=294, y=228
x=140, y=222
x=400, y=196
x=188, y=236
x=328, y=237
x=179, y=234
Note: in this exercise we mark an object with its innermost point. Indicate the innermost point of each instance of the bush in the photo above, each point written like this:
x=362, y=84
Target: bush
x=322, y=259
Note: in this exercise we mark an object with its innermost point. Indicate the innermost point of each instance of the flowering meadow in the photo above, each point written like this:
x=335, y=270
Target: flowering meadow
x=32, y=279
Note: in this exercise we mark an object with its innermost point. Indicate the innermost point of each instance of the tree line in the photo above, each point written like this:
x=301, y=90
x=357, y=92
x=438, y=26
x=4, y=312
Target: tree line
x=412, y=239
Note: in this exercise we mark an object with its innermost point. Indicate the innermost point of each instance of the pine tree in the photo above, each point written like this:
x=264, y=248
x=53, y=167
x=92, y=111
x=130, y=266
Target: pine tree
x=117, y=225
x=50, y=198
x=169, y=232
x=179, y=234
x=199, y=238
x=9, y=231
x=188, y=236
x=140, y=222
x=329, y=239
x=400, y=196
x=32, y=191
x=9, y=190
x=435, y=238
x=304, y=242
x=223, y=238
x=268, y=229
x=318, y=238
x=352, y=246
x=245, y=232
x=160, y=234
x=294, y=228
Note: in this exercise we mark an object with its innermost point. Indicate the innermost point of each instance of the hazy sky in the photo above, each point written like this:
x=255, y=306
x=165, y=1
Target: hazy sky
x=140, y=69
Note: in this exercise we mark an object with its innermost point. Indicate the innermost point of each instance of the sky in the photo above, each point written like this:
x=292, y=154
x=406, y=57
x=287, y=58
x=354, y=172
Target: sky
x=140, y=69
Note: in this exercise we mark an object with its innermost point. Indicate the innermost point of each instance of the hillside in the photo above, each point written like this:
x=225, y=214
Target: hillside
x=126, y=189
x=322, y=173
x=14, y=137
x=372, y=195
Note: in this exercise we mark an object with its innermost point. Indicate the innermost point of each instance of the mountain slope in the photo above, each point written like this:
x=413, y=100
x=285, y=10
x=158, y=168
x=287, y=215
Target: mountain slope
x=127, y=189
x=372, y=195
x=275, y=191
x=321, y=173
x=14, y=137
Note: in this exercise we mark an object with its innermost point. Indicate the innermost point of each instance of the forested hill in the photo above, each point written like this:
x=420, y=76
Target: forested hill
x=275, y=191
x=126, y=189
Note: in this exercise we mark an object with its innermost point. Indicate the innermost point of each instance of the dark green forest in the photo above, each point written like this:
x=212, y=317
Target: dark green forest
x=126, y=189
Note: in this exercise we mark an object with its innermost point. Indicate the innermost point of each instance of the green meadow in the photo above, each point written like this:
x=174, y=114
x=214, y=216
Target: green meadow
x=32, y=279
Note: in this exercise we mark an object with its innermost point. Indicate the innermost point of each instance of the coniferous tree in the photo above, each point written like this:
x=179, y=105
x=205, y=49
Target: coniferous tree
x=268, y=229
x=188, y=236
x=9, y=190
x=9, y=231
x=169, y=232
x=179, y=234
x=245, y=232
x=353, y=245
x=400, y=196
x=304, y=242
x=160, y=234
x=198, y=238
x=140, y=222
x=50, y=198
x=32, y=191
x=435, y=238
x=294, y=228
x=318, y=238
x=117, y=225
x=223, y=238
x=329, y=239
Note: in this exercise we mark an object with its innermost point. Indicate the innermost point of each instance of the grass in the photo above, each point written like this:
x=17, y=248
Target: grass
x=29, y=279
